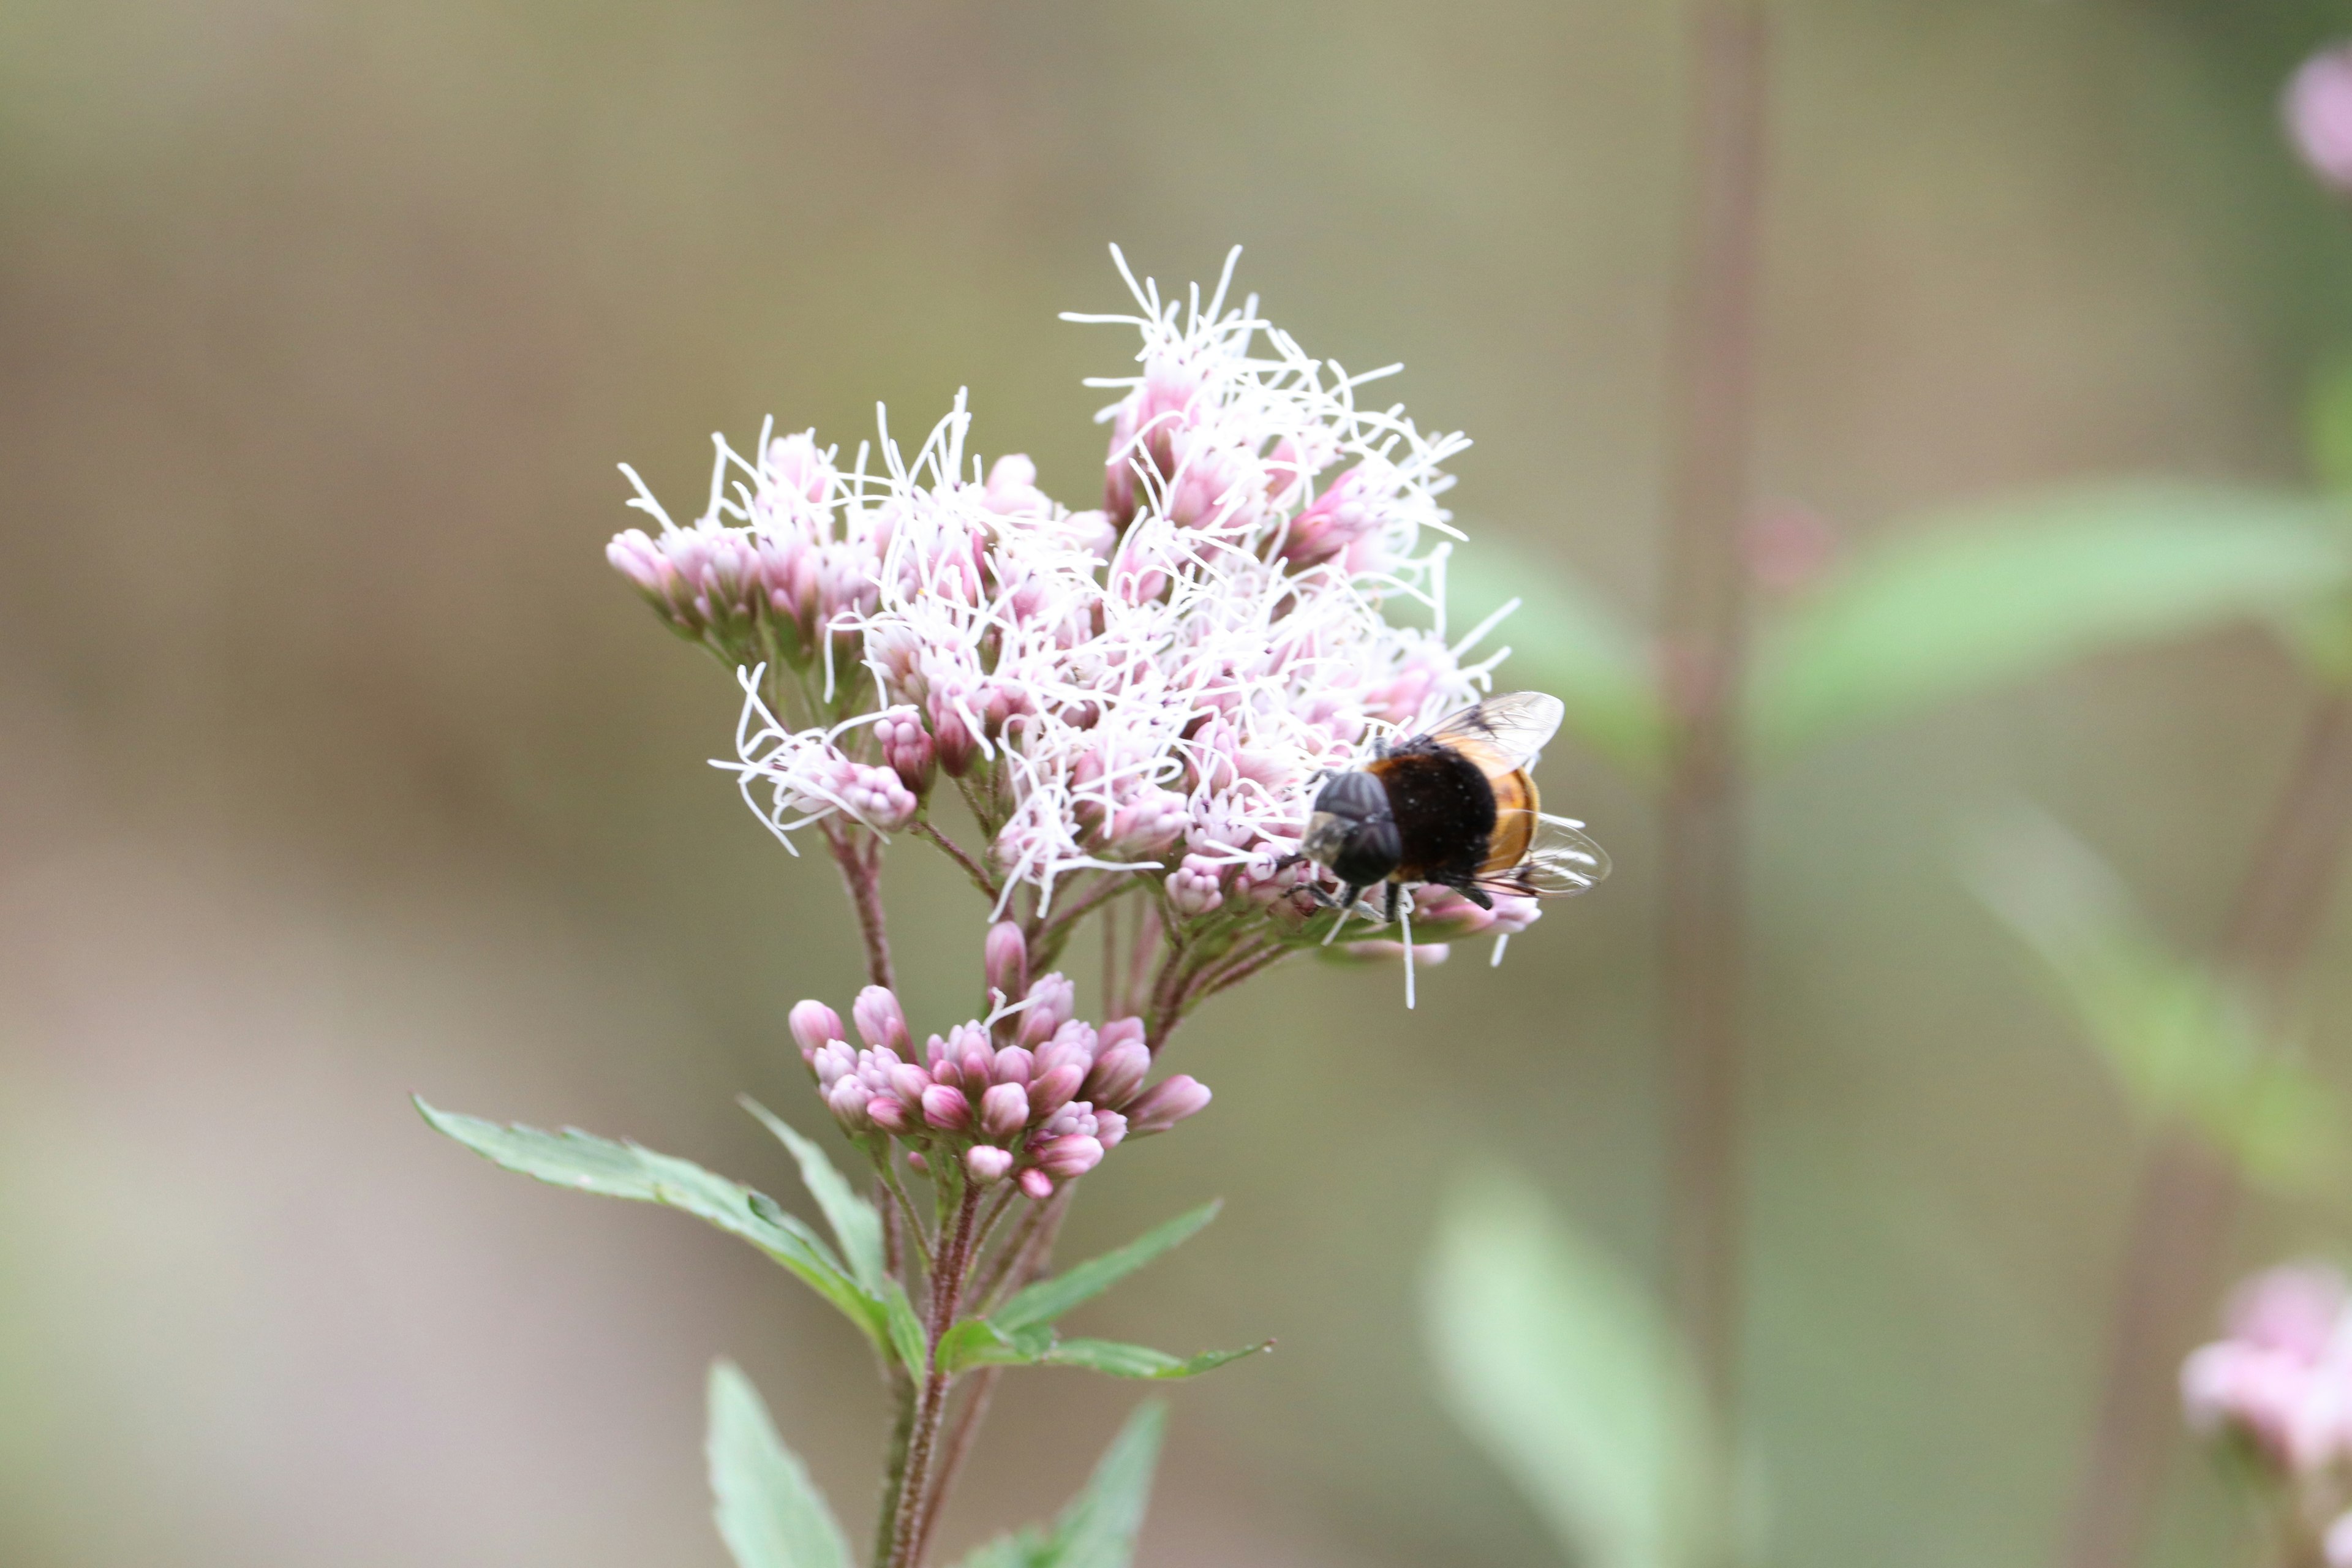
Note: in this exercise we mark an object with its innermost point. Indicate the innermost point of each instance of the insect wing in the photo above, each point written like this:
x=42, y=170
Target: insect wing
x=1502, y=735
x=1560, y=861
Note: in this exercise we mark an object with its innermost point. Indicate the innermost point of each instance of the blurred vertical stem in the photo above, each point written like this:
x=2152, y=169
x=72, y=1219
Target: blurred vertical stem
x=2187, y=1193
x=1704, y=626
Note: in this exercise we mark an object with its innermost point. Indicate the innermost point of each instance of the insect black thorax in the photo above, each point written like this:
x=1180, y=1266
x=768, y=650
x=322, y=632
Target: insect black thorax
x=1444, y=809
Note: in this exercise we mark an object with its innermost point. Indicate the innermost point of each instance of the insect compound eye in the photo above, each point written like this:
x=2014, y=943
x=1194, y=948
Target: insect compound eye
x=1354, y=796
x=1372, y=851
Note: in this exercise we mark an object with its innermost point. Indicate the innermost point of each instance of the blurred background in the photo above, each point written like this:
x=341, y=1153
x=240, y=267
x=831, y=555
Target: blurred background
x=335, y=764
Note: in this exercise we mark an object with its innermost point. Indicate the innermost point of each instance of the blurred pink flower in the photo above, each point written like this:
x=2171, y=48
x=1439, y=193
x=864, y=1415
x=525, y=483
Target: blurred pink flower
x=2317, y=108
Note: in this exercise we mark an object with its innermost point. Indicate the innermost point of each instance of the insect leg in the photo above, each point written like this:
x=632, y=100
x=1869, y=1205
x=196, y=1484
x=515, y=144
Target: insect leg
x=1389, y=914
x=1475, y=894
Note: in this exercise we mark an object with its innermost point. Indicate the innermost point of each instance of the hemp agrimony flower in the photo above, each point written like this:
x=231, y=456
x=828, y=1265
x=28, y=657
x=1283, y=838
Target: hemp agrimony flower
x=2277, y=1388
x=1121, y=715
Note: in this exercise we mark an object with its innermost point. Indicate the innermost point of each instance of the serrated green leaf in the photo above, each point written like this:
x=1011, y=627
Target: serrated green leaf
x=1099, y=1527
x=856, y=1224
x=1558, y=1362
x=770, y=1514
x=1564, y=641
x=2184, y=1043
x=1992, y=593
x=977, y=1341
x=1049, y=1299
x=591, y=1164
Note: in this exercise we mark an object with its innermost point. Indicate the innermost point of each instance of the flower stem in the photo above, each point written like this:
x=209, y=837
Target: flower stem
x=861, y=873
x=915, y=1499
x=1705, y=634
x=2186, y=1194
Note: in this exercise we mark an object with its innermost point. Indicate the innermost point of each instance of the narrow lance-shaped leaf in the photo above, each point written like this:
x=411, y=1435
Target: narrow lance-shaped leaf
x=1557, y=1363
x=1049, y=1299
x=1995, y=592
x=1098, y=1530
x=768, y=1512
x=1099, y=1527
x=2184, y=1043
x=591, y=1164
x=977, y=1341
x=857, y=1225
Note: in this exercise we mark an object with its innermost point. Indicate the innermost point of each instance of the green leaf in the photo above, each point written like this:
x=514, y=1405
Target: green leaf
x=2185, y=1045
x=1997, y=592
x=1557, y=1362
x=770, y=1514
x=1140, y=1361
x=1099, y=1527
x=591, y=1164
x=977, y=1341
x=1563, y=640
x=1049, y=1299
x=856, y=1224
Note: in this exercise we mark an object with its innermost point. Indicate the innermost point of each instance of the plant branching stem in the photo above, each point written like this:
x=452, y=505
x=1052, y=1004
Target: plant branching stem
x=956, y=852
x=2186, y=1195
x=1705, y=633
x=861, y=873
x=947, y=1282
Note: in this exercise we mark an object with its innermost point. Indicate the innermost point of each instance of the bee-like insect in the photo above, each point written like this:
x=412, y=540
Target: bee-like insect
x=1455, y=807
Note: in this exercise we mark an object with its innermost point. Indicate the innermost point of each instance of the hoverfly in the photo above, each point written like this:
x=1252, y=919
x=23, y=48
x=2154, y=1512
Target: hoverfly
x=1455, y=807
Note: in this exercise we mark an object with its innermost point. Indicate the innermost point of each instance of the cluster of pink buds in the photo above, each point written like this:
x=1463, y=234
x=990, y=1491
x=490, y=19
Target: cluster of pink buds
x=2280, y=1385
x=765, y=589
x=1031, y=1093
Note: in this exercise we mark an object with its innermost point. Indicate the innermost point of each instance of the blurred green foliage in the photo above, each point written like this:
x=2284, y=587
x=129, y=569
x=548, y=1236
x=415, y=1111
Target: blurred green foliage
x=770, y=1514
x=1556, y=1358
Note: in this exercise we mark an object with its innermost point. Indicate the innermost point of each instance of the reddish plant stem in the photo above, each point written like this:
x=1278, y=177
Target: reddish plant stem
x=1030, y=1262
x=946, y=1282
x=1705, y=634
x=861, y=873
x=956, y=852
x=2186, y=1194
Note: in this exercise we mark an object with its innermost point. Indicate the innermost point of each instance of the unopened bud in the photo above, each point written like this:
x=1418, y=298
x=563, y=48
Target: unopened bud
x=910, y=1084
x=1166, y=1103
x=1052, y=1000
x=880, y=1020
x=906, y=747
x=889, y=1112
x=987, y=1163
x=1071, y=1156
x=1004, y=1110
x=812, y=1024
x=1118, y=1073
x=946, y=1107
x=1036, y=1183
x=1056, y=1089
x=1005, y=957
x=1110, y=1127
x=847, y=1102
x=1015, y=1064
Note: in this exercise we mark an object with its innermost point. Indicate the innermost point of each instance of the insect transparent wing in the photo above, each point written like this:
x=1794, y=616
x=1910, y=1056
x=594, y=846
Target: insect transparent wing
x=1560, y=861
x=1503, y=733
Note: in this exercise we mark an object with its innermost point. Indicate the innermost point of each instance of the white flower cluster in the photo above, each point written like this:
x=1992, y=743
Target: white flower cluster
x=1151, y=687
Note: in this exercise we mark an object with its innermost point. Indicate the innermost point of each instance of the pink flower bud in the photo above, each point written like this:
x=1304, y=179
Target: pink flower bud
x=906, y=747
x=952, y=741
x=1117, y=1032
x=910, y=1084
x=1166, y=1103
x=834, y=1061
x=1110, y=1128
x=1003, y=1110
x=978, y=1063
x=889, y=1112
x=812, y=1024
x=946, y=1107
x=1196, y=885
x=1036, y=1183
x=1015, y=1064
x=1056, y=1089
x=847, y=1102
x=2318, y=112
x=880, y=1020
x=987, y=1163
x=1005, y=958
x=1118, y=1073
x=1052, y=1000
x=916, y=1160
x=1072, y=1156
